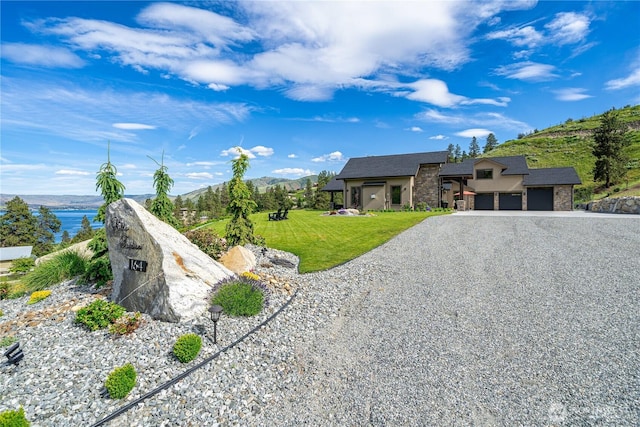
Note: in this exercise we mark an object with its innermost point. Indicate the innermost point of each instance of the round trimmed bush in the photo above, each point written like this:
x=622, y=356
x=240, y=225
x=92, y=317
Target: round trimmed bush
x=11, y=418
x=121, y=381
x=99, y=314
x=240, y=297
x=187, y=347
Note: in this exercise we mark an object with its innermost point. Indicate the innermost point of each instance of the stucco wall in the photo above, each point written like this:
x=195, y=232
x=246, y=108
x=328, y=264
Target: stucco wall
x=499, y=183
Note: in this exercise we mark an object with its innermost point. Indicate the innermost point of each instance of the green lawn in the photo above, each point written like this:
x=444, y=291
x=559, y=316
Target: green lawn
x=322, y=242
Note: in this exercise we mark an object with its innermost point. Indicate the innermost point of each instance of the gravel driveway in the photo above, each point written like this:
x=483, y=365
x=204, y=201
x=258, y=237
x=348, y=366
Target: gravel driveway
x=465, y=320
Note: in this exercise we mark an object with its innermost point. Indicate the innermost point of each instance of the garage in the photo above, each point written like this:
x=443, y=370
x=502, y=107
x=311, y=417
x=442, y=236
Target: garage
x=483, y=202
x=540, y=199
x=510, y=201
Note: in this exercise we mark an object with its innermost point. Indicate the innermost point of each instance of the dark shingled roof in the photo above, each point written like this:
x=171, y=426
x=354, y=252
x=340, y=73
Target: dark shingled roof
x=551, y=176
x=333, y=185
x=513, y=165
x=395, y=165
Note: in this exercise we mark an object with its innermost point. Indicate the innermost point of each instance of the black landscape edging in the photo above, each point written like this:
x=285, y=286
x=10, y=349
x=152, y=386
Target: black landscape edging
x=191, y=370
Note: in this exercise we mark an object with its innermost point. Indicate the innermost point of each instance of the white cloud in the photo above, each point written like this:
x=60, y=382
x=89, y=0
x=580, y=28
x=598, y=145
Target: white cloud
x=489, y=119
x=527, y=71
x=478, y=133
x=132, y=126
x=571, y=94
x=307, y=50
x=236, y=151
x=199, y=175
x=524, y=36
x=205, y=164
x=292, y=156
x=262, y=151
x=71, y=172
x=568, y=28
x=632, y=79
x=336, y=156
x=434, y=92
x=415, y=129
x=439, y=137
x=293, y=172
x=44, y=56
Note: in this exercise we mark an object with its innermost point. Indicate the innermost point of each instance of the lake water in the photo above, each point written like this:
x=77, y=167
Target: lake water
x=72, y=221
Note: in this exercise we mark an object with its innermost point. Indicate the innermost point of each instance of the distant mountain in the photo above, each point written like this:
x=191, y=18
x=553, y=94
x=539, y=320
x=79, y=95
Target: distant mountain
x=65, y=201
x=262, y=184
x=94, y=202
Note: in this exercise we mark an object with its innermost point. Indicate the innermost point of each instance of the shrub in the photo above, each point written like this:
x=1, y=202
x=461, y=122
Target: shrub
x=99, y=269
x=99, y=314
x=58, y=269
x=1, y=313
x=240, y=297
x=250, y=275
x=11, y=418
x=22, y=265
x=4, y=290
x=187, y=347
x=208, y=241
x=7, y=341
x=38, y=296
x=126, y=324
x=121, y=381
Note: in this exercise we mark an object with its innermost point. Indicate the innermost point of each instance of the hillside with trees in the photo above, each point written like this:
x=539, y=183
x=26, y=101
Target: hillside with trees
x=572, y=144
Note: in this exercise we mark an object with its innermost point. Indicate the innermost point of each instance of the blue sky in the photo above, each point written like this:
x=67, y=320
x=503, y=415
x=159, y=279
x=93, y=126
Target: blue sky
x=300, y=86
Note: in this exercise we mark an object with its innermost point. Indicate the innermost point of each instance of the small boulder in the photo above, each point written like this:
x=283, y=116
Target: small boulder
x=239, y=259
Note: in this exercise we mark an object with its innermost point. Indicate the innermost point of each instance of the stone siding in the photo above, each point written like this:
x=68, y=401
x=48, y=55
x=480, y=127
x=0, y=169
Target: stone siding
x=625, y=205
x=563, y=198
x=427, y=187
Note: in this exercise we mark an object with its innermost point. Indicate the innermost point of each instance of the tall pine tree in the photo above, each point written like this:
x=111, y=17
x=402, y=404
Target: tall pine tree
x=610, y=141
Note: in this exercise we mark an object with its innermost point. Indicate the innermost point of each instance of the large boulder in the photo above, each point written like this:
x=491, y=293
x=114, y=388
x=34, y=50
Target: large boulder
x=238, y=259
x=157, y=270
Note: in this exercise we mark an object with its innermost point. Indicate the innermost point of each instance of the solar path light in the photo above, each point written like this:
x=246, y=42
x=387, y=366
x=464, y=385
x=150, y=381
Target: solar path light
x=14, y=354
x=215, y=311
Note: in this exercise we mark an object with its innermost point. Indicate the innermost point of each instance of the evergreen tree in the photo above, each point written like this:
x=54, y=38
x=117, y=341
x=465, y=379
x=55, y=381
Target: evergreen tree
x=17, y=225
x=322, y=198
x=457, y=154
x=451, y=149
x=161, y=206
x=492, y=143
x=224, y=196
x=48, y=224
x=308, y=193
x=86, y=231
x=109, y=186
x=474, y=148
x=610, y=141
x=178, y=204
x=66, y=239
x=240, y=228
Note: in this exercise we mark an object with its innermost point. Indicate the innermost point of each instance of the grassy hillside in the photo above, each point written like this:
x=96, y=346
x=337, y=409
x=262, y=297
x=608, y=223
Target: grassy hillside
x=571, y=144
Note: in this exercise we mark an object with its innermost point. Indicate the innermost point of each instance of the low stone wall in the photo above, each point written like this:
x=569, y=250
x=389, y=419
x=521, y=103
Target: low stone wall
x=625, y=205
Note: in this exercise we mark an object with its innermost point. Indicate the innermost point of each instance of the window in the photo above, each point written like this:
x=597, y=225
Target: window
x=396, y=194
x=355, y=197
x=484, y=174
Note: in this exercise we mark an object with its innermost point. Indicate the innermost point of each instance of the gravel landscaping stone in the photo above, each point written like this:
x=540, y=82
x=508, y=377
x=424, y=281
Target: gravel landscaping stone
x=460, y=320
